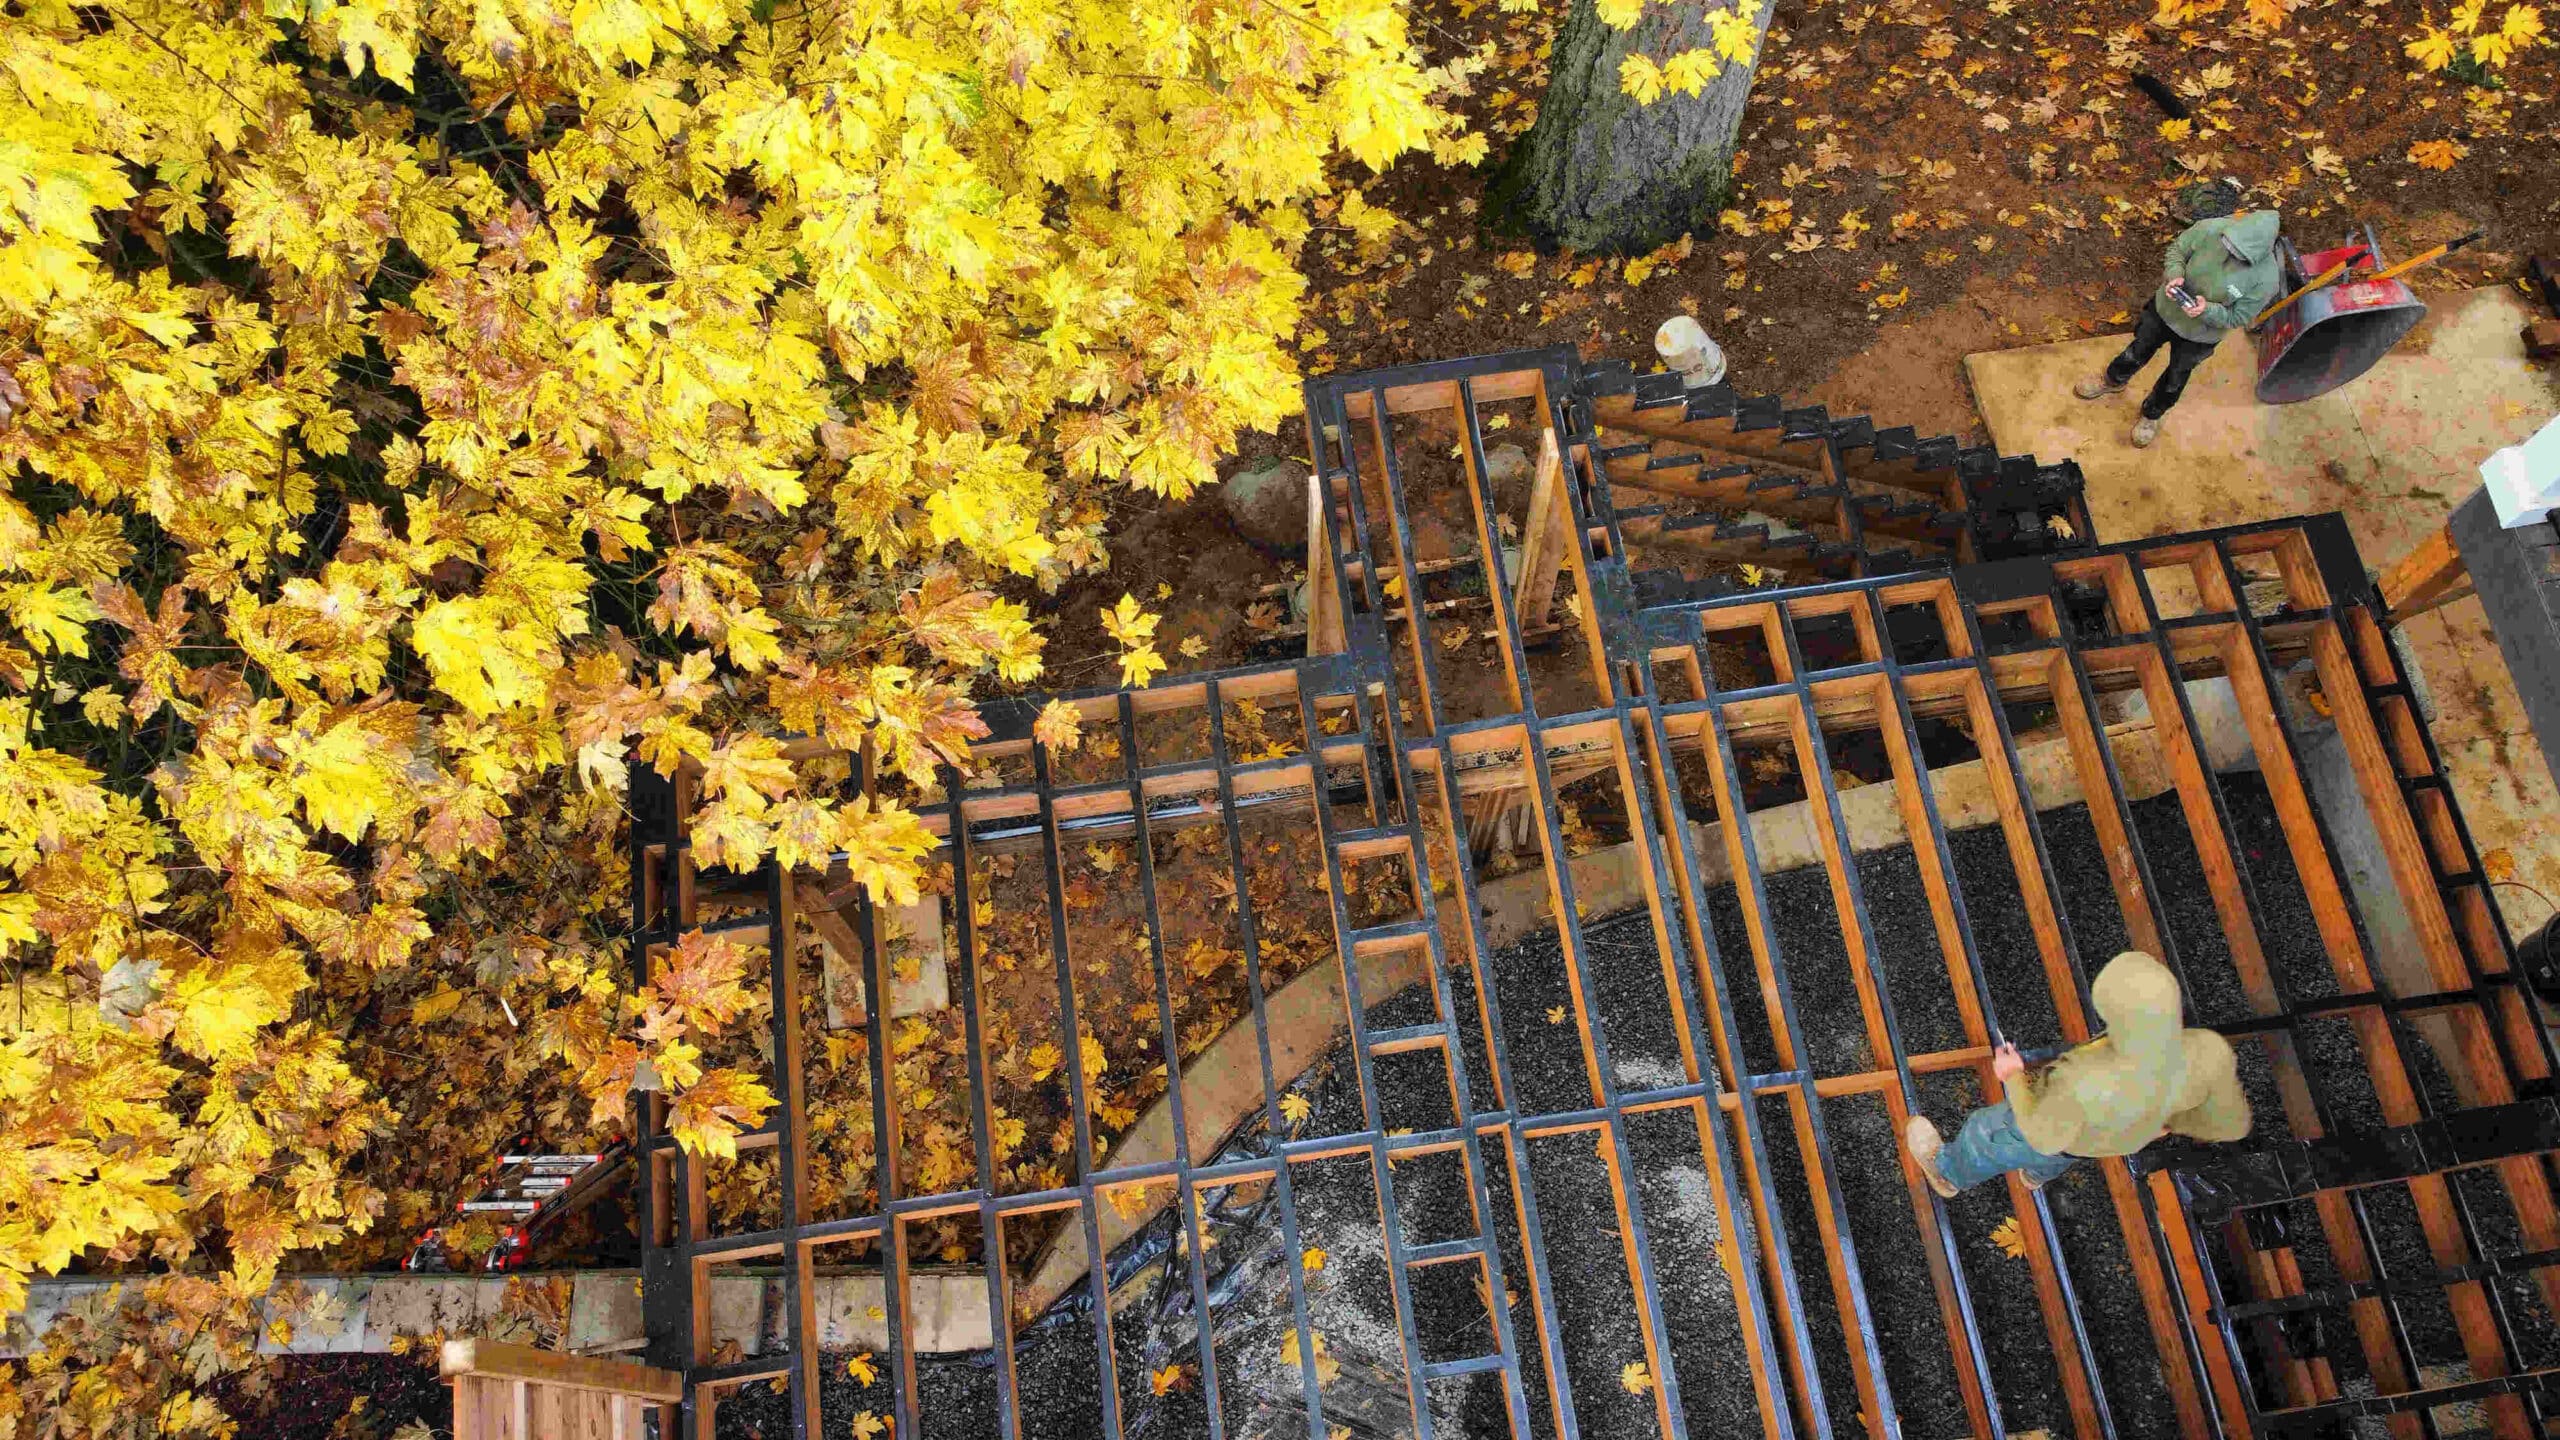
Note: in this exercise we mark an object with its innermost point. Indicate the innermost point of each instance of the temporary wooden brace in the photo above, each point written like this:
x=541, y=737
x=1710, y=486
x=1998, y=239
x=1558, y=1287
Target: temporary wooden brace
x=1545, y=531
x=2429, y=574
x=515, y=1392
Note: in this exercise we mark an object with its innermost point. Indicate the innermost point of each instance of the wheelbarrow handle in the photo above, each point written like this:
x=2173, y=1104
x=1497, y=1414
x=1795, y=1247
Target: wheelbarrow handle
x=2428, y=257
x=2423, y=257
x=2324, y=277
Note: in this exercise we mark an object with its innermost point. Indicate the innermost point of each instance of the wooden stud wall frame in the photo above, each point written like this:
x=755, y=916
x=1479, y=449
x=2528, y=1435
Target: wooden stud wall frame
x=2405, y=1070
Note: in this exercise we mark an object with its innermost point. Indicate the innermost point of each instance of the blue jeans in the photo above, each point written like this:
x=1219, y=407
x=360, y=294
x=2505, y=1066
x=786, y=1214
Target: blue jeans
x=1989, y=1146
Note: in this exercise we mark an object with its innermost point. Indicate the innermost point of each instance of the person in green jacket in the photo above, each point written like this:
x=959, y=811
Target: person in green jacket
x=2218, y=275
x=2146, y=1077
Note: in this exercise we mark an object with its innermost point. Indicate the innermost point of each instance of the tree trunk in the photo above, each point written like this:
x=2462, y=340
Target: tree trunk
x=1599, y=172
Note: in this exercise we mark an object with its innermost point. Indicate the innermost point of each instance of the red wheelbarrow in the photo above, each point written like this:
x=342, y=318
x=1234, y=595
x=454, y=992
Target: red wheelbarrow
x=2319, y=339
x=2323, y=339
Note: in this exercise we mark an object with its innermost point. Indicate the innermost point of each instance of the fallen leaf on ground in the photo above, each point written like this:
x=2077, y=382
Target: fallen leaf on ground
x=1295, y=1108
x=1313, y=1260
x=1555, y=1014
x=861, y=1369
x=2007, y=1236
x=1167, y=1379
x=2437, y=154
x=1635, y=1377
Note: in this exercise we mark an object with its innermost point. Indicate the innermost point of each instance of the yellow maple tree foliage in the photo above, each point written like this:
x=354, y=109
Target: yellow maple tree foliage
x=417, y=413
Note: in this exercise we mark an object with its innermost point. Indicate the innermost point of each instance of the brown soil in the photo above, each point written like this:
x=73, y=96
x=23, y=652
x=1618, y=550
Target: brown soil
x=2033, y=189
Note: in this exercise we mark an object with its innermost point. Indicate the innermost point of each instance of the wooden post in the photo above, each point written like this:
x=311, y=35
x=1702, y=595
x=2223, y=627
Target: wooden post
x=1326, y=634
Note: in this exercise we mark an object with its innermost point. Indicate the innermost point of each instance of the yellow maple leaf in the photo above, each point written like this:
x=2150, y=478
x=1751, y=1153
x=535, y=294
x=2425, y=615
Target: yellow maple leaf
x=2433, y=50
x=866, y=1425
x=1555, y=1014
x=1295, y=1108
x=436, y=1006
x=2007, y=1235
x=2176, y=131
x=1327, y=1368
x=1635, y=1377
x=862, y=1370
x=2437, y=154
x=1165, y=1380
x=1313, y=1260
x=1139, y=666
x=1060, y=727
x=1129, y=624
x=1044, y=1058
x=1640, y=77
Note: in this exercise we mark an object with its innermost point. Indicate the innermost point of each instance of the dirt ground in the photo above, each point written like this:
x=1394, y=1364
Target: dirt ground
x=1914, y=185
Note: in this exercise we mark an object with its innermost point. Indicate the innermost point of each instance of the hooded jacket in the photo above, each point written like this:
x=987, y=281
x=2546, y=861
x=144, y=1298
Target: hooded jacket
x=2234, y=290
x=2148, y=1074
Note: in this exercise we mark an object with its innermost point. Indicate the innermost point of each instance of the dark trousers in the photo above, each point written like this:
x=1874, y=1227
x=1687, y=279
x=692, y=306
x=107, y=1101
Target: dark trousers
x=2149, y=334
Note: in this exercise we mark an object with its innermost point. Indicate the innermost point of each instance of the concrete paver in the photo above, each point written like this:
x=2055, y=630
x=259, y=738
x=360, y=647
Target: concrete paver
x=2394, y=451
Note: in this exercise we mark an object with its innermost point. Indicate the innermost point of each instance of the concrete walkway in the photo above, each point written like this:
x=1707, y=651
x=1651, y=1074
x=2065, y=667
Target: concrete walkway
x=2394, y=451
x=946, y=1310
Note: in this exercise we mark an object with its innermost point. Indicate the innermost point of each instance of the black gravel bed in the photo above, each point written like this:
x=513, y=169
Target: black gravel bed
x=1742, y=981
x=1520, y=1298
x=2497, y=1232
x=1701, y=1314
x=1595, y=1297
x=2006, y=1311
x=2426, y=1316
x=1639, y=1016
x=1548, y=1070
x=2185, y=898
x=2004, y=939
x=2093, y=1250
x=2088, y=889
x=1914, y=967
x=1472, y=1052
x=1830, y=1025
x=2333, y=1065
x=1413, y=1086
x=2296, y=955
x=1350, y=1301
x=1783, y=1162
x=1902, y=1299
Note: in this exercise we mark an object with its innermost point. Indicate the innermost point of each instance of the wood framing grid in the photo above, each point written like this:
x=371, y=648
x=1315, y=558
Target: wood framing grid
x=1381, y=769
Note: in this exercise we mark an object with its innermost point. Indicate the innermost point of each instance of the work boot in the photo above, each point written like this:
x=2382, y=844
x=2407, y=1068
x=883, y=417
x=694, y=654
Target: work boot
x=2095, y=386
x=1921, y=1138
x=2145, y=430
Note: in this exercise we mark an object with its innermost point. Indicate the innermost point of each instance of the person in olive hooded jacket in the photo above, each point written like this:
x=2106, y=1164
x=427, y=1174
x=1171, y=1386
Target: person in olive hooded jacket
x=2217, y=276
x=2146, y=1077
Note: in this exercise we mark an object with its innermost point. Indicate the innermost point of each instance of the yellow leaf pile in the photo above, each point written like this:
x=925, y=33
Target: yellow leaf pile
x=418, y=412
x=2466, y=36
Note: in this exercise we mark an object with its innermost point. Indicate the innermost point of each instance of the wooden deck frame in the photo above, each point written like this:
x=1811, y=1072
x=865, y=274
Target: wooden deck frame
x=1379, y=773
x=516, y=1392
